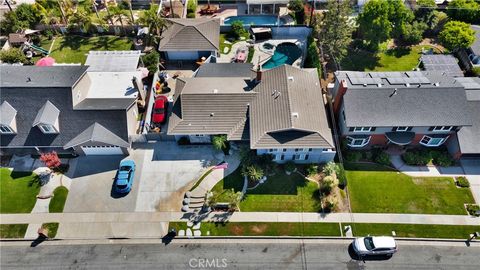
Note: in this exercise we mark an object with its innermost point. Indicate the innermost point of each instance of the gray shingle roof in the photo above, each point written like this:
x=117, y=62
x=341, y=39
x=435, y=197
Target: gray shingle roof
x=468, y=137
x=442, y=63
x=243, y=70
x=47, y=115
x=96, y=133
x=191, y=35
x=33, y=76
x=7, y=113
x=289, y=111
x=113, y=61
x=29, y=99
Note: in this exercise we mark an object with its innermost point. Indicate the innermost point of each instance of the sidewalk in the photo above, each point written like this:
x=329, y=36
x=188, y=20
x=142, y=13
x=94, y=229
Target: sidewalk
x=154, y=217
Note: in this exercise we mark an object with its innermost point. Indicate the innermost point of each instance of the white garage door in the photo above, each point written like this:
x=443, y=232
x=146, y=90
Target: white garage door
x=192, y=55
x=102, y=150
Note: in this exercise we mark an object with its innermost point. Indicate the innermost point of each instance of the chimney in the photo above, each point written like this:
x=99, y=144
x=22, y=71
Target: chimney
x=337, y=102
x=138, y=86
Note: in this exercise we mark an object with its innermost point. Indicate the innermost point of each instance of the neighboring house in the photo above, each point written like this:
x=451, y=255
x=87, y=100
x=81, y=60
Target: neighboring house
x=280, y=111
x=445, y=63
x=256, y=7
x=66, y=109
x=190, y=39
x=465, y=144
x=470, y=58
x=401, y=108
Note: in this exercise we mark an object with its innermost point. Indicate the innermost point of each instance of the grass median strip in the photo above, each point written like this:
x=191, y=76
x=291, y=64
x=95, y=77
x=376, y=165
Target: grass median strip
x=263, y=228
x=13, y=230
x=52, y=228
x=18, y=191
x=58, y=200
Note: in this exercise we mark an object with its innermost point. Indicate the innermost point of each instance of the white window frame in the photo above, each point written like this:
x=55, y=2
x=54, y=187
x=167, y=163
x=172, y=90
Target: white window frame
x=442, y=128
x=45, y=129
x=362, y=129
x=4, y=129
x=351, y=141
x=429, y=139
x=401, y=129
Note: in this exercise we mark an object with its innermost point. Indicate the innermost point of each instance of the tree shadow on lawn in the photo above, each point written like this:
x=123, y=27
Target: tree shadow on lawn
x=398, y=52
x=73, y=42
x=360, y=60
x=19, y=174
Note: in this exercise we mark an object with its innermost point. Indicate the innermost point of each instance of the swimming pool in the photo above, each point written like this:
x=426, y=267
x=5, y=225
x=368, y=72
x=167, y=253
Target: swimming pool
x=285, y=53
x=255, y=20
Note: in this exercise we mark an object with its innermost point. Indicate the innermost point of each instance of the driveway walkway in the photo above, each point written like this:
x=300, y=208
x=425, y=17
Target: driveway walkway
x=472, y=172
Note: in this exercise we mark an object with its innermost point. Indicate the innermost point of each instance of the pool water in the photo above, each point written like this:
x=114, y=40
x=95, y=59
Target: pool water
x=255, y=20
x=285, y=53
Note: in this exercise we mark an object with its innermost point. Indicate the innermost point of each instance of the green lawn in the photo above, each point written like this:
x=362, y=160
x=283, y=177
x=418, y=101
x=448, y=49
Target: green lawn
x=52, y=229
x=399, y=59
x=74, y=49
x=58, y=201
x=264, y=228
x=223, y=45
x=280, y=193
x=17, y=191
x=13, y=230
x=414, y=230
x=376, y=189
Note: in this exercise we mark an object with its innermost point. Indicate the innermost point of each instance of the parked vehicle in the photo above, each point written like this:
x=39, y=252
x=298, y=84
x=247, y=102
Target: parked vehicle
x=124, y=178
x=160, y=110
x=375, y=245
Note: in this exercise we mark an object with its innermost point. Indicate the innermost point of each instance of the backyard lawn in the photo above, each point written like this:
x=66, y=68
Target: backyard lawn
x=263, y=228
x=17, y=191
x=280, y=193
x=377, y=189
x=74, y=49
x=399, y=59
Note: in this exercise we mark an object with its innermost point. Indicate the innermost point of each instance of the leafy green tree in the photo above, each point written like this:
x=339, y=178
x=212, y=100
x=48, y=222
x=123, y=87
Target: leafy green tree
x=413, y=32
x=253, y=172
x=32, y=14
x=219, y=142
x=12, y=56
x=464, y=10
x=237, y=30
x=438, y=22
x=80, y=19
x=425, y=11
x=297, y=7
x=150, y=61
x=374, y=24
x=399, y=16
x=154, y=22
x=457, y=35
x=335, y=30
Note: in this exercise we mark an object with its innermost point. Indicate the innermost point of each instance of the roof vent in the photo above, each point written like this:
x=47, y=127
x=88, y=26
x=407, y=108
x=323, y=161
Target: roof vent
x=437, y=84
x=295, y=114
x=212, y=114
x=290, y=78
x=393, y=93
x=215, y=91
x=379, y=85
x=364, y=85
x=407, y=84
x=274, y=92
x=29, y=79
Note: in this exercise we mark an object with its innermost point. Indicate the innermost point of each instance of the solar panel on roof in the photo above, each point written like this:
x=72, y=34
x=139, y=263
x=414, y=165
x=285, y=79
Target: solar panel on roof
x=396, y=80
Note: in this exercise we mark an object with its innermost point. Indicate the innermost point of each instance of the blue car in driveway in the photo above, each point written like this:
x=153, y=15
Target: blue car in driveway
x=124, y=179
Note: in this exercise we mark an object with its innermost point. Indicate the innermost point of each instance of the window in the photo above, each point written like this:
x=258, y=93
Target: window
x=282, y=157
x=306, y=157
x=343, y=114
x=296, y=149
x=47, y=129
x=284, y=149
x=270, y=150
x=402, y=128
x=362, y=129
x=442, y=128
x=310, y=149
x=6, y=129
x=199, y=135
x=357, y=141
x=305, y=150
x=433, y=141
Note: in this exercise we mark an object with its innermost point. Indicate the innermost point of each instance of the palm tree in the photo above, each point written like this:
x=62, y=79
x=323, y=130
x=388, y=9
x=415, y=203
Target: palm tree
x=129, y=3
x=253, y=172
x=119, y=15
x=153, y=21
x=49, y=18
x=109, y=16
x=219, y=142
x=82, y=20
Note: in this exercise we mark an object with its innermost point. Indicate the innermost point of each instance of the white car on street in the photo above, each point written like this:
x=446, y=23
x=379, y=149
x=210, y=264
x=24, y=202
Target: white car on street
x=375, y=245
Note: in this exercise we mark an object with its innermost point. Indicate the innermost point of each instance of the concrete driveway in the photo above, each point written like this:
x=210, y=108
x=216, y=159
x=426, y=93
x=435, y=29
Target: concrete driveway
x=472, y=172
x=91, y=188
x=167, y=172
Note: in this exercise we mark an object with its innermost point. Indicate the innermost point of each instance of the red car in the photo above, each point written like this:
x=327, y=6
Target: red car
x=160, y=110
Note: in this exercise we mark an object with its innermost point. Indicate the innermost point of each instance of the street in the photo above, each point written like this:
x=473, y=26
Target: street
x=233, y=254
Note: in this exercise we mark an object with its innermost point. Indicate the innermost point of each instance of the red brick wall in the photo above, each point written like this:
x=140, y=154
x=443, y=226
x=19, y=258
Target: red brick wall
x=342, y=89
x=378, y=139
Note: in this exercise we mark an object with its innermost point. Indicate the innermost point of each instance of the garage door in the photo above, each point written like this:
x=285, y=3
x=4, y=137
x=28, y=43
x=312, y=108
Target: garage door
x=102, y=150
x=191, y=55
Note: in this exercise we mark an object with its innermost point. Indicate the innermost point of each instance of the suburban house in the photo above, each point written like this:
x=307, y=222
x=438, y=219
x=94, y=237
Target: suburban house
x=256, y=7
x=470, y=58
x=279, y=111
x=190, y=39
x=446, y=63
x=66, y=109
x=399, y=108
x=465, y=144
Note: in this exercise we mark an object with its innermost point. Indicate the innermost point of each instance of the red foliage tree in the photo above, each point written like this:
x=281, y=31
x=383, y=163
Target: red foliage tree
x=51, y=160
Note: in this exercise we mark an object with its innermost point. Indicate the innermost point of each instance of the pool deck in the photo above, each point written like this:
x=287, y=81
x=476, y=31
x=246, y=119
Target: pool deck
x=261, y=55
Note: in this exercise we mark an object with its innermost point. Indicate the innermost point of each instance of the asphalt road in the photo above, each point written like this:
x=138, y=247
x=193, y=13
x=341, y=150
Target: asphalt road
x=247, y=255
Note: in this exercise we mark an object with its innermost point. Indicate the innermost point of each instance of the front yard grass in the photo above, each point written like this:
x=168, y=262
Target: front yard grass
x=74, y=49
x=52, y=229
x=374, y=188
x=13, y=230
x=17, y=191
x=414, y=230
x=398, y=59
x=280, y=193
x=263, y=228
x=58, y=200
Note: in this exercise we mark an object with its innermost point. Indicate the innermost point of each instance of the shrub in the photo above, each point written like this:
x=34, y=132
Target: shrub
x=341, y=176
x=312, y=169
x=328, y=206
x=290, y=166
x=382, y=158
x=150, y=61
x=353, y=156
x=462, y=182
x=219, y=142
x=473, y=209
x=253, y=172
x=13, y=56
x=183, y=141
x=51, y=160
x=330, y=168
x=442, y=159
x=191, y=15
x=368, y=155
x=192, y=7
x=237, y=30
x=417, y=157
x=326, y=186
x=475, y=71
